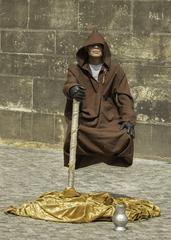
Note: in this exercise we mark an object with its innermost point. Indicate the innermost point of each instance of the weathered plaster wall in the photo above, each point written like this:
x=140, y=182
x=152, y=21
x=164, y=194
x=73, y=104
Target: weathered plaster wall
x=38, y=39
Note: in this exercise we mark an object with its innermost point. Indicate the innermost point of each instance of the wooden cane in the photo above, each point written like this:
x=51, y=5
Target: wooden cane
x=73, y=143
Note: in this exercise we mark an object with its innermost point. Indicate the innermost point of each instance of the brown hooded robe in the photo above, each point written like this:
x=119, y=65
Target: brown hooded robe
x=107, y=104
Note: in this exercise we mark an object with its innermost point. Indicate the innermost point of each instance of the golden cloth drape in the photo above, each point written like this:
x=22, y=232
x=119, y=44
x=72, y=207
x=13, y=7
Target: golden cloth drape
x=74, y=207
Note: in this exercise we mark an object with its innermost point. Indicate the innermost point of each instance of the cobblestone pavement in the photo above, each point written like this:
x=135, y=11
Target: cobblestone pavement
x=27, y=173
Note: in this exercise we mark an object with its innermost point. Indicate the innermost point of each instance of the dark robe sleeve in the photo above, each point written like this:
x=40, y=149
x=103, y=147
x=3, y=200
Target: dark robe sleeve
x=70, y=82
x=124, y=98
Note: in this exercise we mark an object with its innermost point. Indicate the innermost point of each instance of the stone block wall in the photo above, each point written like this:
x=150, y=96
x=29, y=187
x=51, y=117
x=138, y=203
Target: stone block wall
x=39, y=38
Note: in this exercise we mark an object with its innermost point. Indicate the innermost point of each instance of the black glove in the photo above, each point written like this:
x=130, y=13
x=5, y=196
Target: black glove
x=77, y=92
x=130, y=128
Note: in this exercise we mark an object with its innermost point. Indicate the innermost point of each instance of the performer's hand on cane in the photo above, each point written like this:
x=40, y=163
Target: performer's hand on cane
x=77, y=92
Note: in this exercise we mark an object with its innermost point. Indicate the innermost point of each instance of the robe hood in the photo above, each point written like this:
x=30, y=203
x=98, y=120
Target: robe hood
x=94, y=38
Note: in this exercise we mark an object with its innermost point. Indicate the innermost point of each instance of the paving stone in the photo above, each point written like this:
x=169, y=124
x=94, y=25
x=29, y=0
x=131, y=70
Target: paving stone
x=27, y=173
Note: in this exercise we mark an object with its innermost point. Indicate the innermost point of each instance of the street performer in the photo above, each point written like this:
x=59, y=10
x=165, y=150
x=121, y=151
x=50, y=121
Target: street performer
x=106, y=117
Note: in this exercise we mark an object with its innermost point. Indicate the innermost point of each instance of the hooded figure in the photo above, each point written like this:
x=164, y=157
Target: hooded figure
x=106, y=117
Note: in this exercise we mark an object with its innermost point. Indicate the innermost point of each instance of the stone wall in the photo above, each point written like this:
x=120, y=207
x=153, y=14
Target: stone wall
x=38, y=39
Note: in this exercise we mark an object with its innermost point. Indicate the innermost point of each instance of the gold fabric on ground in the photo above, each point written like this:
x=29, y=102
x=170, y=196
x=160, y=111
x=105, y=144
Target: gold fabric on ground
x=75, y=207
